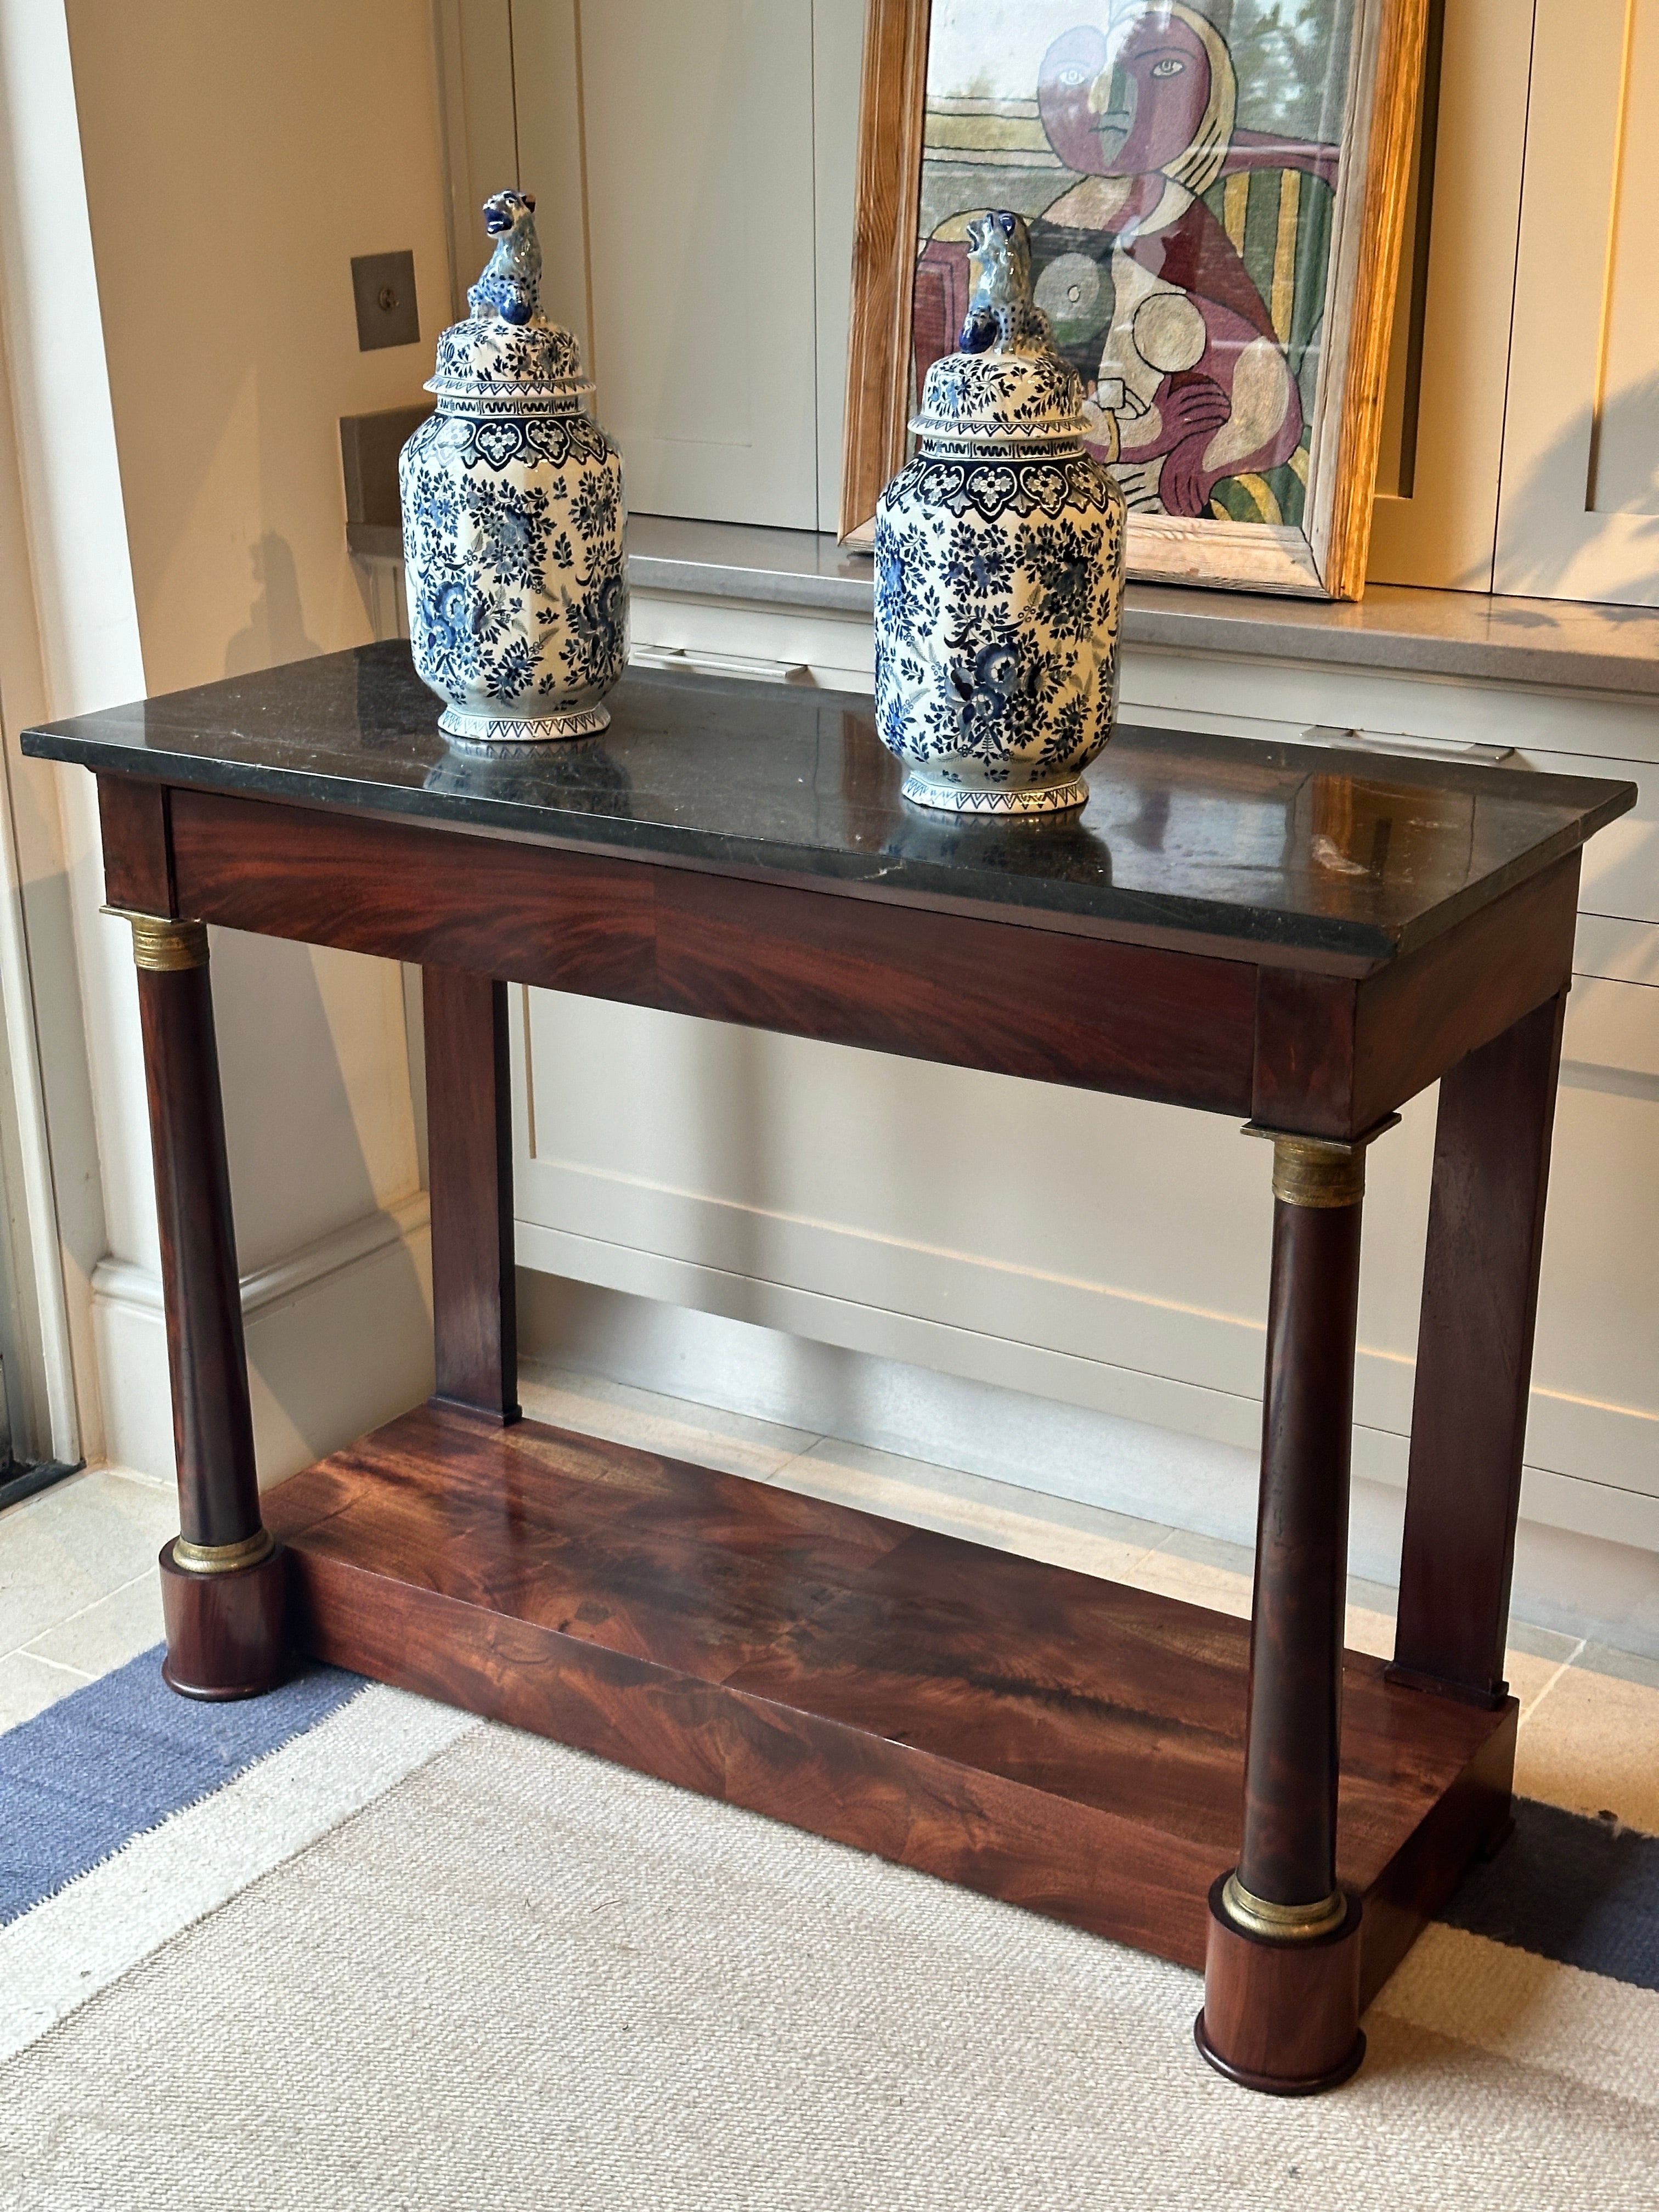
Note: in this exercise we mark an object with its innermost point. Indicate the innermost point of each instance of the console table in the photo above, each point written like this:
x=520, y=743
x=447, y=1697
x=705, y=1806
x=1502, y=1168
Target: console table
x=1299, y=938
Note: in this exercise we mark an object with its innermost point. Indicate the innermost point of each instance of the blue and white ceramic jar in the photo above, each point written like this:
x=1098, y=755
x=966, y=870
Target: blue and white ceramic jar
x=513, y=518
x=998, y=566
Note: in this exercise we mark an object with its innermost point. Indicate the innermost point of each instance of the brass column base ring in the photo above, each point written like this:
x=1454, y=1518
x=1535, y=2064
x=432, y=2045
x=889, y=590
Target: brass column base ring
x=1322, y=1172
x=161, y=945
x=1282, y=1923
x=222, y=1558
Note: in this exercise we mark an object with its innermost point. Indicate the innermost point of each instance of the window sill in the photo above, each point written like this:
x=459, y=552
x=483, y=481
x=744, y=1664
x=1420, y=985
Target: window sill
x=1566, y=644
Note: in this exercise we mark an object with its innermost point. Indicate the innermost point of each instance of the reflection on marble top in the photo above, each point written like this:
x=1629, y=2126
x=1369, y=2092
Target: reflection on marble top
x=1330, y=853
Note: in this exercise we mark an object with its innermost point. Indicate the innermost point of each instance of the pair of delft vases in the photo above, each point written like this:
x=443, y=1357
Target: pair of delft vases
x=999, y=550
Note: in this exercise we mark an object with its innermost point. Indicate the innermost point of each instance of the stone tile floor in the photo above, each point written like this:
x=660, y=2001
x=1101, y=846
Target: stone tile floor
x=79, y=1592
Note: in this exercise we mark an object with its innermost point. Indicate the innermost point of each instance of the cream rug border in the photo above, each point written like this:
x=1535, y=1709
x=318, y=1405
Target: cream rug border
x=55, y=1958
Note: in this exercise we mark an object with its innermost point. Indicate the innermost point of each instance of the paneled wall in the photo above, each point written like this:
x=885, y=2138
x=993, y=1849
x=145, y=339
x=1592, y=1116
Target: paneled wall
x=1538, y=452
x=1579, y=514
x=1097, y=1250
x=697, y=161
x=693, y=165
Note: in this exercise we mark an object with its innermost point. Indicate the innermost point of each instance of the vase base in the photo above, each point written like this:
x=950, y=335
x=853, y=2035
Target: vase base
x=973, y=799
x=506, y=734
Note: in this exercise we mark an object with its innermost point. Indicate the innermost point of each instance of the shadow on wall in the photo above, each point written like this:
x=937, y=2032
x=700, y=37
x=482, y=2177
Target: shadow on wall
x=322, y=1157
x=320, y=1133
x=1609, y=469
x=275, y=629
x=308, y=1109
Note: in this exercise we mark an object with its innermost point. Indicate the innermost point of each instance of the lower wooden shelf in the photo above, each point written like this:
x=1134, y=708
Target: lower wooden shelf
x=1061, y=1742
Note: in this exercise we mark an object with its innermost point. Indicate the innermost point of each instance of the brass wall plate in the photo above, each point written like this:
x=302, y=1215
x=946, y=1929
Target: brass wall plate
x=369, y=446
x=388, y=313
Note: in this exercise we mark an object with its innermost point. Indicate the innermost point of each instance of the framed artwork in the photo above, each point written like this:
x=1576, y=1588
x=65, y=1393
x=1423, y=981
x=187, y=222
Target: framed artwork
x=1215, y=191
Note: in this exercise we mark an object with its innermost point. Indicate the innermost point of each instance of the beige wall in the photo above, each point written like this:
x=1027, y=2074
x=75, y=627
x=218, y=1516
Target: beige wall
x=237, y=155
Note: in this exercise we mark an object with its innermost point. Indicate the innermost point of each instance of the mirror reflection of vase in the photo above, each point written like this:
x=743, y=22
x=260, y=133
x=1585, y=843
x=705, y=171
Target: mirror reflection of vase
x=578, y=776
x=1035, y=845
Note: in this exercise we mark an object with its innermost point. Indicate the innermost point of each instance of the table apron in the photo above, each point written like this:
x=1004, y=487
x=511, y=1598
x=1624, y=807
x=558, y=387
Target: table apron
x=1324, y=1054
x=1048, y=1006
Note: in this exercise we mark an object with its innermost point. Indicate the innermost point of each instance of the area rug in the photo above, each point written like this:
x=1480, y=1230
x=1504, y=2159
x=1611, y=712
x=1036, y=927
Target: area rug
x=404, y=1959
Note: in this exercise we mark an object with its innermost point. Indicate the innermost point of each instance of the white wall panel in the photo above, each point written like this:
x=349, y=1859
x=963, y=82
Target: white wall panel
x=1596, y=1398
x=698, y=129
x=1111, y=1234
x=1444, y=531
x=1627, y=951
x=1101, y=1251
x=1579, y=506
x=837, y=64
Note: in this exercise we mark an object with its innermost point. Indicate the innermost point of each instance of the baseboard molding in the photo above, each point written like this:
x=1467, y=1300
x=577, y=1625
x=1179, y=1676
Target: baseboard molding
x=339, y=1339
x=1060, y=1382
x=1594, y=1586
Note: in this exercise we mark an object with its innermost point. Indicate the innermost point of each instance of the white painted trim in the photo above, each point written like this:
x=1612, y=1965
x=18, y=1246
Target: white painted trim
x=339, y=1340
x=957, y=1362
x=1620, y=1513
x=74, y=565
x=37, y=1195
x=857, y=1325
x=126, y=1282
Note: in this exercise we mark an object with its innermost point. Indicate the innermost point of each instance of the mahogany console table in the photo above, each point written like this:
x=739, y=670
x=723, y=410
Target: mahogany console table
x=1301, y=938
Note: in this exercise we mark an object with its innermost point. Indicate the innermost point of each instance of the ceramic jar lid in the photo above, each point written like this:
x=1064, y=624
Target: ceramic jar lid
x=488, y=365
x=1001, y=401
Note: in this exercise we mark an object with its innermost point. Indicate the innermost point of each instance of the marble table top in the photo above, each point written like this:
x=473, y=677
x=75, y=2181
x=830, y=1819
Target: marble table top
x=1320, y=850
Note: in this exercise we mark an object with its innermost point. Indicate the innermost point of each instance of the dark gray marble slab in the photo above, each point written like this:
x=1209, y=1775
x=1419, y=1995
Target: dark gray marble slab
x=1319, y=851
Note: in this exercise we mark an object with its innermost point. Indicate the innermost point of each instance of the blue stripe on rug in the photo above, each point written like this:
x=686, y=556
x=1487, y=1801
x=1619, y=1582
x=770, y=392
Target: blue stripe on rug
x=109, y=1761
x=1585, y=1892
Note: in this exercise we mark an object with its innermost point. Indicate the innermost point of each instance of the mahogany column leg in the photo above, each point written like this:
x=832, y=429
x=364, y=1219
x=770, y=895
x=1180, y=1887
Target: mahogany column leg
x=470, y=1154
x=222, y=1578
x=1491, y=1160
x=1282, y=1978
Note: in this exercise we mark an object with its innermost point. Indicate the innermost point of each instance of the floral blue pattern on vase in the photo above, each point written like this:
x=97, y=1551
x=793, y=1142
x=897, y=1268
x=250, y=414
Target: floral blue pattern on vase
x=513, y=518
x=998, y=566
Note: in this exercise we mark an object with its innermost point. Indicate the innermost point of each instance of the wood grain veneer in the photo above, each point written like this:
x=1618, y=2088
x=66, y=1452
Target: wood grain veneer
x=469, y=1105
x=975, y=994
x=1485, y=1246
x=1326, y=1053
x=1061, y=1742
x=134, y=821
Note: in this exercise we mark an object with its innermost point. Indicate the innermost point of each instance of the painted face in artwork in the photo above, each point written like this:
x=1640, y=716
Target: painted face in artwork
x=1126, y=101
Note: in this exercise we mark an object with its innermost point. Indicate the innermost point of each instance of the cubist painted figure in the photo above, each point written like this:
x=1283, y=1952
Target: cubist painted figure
x=1188, y=367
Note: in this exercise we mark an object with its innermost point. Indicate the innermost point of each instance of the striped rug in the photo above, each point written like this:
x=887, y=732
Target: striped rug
x=342, y=1947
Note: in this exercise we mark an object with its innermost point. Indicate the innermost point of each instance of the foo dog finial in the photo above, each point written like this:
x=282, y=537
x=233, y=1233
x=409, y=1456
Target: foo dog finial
x=511, y=284
x=1001, y=313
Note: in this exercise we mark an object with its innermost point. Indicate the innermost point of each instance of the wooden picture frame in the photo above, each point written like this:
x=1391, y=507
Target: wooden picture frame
x=1320, y=552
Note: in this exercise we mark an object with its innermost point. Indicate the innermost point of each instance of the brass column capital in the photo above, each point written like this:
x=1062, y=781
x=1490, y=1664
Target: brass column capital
x=1319, y=1171
x=161, y=945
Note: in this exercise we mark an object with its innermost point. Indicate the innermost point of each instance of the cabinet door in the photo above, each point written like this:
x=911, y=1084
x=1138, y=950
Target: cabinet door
x=693, y=163
x=697, y=120
x=1434, y=518
x=1578, y=511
